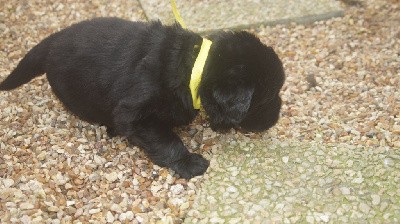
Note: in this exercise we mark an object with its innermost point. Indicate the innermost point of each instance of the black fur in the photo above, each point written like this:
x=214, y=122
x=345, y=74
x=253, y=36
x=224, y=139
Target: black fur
x=134, y=78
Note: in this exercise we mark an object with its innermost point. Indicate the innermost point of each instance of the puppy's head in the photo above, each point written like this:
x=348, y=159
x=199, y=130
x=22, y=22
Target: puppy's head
x=241, y=83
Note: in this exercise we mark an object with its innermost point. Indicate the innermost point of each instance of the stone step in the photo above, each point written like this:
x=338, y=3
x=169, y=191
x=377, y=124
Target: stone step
x=209, y=15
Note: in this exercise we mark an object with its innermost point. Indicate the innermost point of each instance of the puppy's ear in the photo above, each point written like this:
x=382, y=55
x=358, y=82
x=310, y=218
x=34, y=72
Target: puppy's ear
x=233, y=101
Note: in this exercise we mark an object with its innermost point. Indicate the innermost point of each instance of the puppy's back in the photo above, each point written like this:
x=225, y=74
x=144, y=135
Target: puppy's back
x=90, y=59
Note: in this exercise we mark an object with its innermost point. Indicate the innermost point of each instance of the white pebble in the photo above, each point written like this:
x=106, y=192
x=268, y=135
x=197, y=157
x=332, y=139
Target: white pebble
x=60, y=151
x=25, y=219
x=177, y=189
x=155, y=188
x=111, y=177
x=94, y=211
x=139, y=219
x=68, y=186
x=42, y=156
x=129, y=215
x=285, y=159
x=53, y=209
x=109, y=217
x=345, y=190
x=309, y=219
x=116, y=208
x=122, y=217
x=216, y=220
x=26, y=206
x=60, y=179
x=364, y=208
x=135, y=182
x=324, y=217
x=231, y=189
x=98, y=160
x=358, y=180
x=8, y=183
x=376, y=199
x=184, y=206
x=10, y=204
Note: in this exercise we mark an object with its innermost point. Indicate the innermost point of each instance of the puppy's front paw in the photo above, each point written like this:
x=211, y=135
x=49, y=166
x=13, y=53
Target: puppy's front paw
x=111, y=132
x=191, y=165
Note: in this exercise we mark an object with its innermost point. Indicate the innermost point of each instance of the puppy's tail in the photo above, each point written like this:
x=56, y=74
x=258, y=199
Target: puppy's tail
x=32, y=65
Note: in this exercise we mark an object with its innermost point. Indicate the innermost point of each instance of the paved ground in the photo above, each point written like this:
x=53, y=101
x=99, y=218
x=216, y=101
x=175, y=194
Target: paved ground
x=269, y=181
x=333, y=156
x=200, y=15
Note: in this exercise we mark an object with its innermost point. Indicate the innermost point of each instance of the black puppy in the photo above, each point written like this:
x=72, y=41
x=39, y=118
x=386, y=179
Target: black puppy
x=133, y=77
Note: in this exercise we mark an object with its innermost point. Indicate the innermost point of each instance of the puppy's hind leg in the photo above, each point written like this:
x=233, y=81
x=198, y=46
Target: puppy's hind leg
x=165, y=148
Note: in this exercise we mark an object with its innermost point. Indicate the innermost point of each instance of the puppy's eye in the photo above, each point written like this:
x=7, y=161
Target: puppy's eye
x=196, y=50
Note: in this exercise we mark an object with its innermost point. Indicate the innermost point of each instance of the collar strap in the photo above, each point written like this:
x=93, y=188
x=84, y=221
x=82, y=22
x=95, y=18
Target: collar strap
x=197, y=72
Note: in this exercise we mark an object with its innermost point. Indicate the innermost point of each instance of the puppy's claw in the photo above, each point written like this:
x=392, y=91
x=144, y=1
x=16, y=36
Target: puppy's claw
x=191, y=165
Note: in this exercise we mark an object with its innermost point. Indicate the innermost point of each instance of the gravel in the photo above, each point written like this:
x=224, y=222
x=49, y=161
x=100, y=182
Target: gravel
x=56, y=168
x=333, y=157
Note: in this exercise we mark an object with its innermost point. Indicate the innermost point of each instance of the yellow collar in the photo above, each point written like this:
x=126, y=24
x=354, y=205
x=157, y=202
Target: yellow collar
x=197, y=72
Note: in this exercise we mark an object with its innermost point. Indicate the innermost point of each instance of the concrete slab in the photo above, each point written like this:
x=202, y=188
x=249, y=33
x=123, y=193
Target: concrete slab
x=292, y=182
x=208, y=15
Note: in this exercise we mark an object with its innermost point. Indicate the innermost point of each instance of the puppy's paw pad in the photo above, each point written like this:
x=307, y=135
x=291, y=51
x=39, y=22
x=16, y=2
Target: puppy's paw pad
x=191, y=165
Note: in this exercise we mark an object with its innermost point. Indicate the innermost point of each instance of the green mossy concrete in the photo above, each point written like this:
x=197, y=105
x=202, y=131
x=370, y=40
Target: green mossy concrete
x=273, y=181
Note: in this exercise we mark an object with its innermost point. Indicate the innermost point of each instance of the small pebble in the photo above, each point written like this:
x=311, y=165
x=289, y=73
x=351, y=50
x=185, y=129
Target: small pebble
x=177, y=189
x=42, y=156
x=8, y=183
x=109, y=217
x=94, y=211
x=26, y=219
x=345, y=190
x=53, y=209
x=26, y=206
x=358, y=180
x=231, y=189
x=364, y=208
x=129, y=215
x=116, y=208
x=122, y=217
x=396, y=129
x=324, y=217
x=111, y=177
x=217, y=220
x=376, y=199
x=310, y=219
